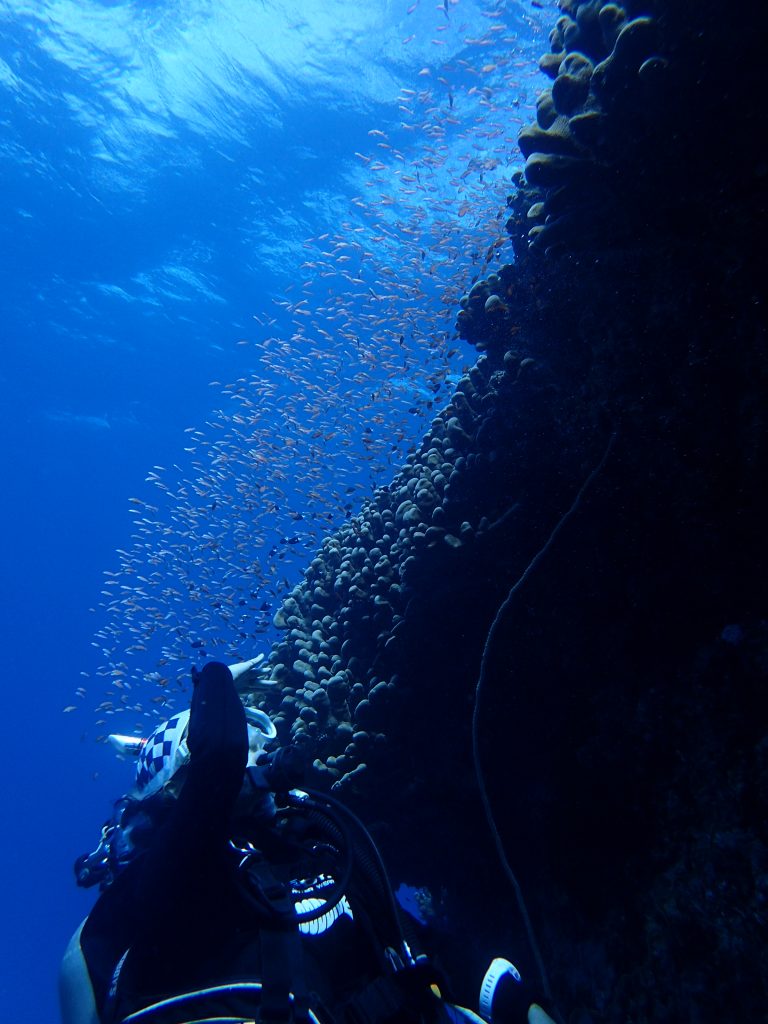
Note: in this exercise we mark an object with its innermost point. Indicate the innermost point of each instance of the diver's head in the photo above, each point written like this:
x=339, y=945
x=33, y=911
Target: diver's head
x=164, y=754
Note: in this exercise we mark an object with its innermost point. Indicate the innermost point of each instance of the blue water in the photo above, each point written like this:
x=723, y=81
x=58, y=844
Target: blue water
x=163, y=166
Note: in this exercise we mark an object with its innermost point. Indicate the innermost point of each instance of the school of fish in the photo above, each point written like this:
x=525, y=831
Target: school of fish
x=346, y=370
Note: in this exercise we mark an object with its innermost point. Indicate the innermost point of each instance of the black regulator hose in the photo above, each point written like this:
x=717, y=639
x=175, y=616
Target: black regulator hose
x=369, y=856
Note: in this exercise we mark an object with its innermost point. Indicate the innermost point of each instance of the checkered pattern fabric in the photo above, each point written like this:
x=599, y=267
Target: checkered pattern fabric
x=162, y=753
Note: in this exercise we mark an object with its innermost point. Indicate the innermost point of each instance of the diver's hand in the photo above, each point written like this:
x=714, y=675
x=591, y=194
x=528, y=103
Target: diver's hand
x=247, y=674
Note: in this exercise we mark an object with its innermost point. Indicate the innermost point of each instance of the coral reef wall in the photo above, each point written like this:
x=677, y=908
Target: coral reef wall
x=622, y=722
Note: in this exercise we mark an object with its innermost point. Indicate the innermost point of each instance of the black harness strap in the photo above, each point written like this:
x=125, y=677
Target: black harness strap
x=282, y=957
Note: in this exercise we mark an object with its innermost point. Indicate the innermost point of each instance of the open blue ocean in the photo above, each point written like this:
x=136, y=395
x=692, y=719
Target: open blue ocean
x=173, y=177
x=306, y=351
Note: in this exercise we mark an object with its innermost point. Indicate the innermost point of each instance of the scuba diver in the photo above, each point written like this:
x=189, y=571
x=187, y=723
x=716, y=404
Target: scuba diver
x=228, y=894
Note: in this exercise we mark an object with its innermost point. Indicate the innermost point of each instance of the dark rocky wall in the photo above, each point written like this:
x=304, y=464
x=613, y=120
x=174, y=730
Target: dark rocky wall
x=623, y=728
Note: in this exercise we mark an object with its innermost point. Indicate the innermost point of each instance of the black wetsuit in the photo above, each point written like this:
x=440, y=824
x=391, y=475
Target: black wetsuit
x=179, y=908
